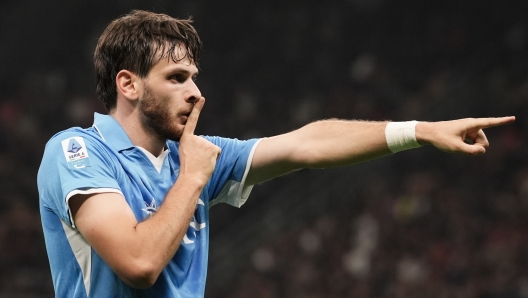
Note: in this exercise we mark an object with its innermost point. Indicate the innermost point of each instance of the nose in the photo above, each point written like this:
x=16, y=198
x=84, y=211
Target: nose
x=194, y=92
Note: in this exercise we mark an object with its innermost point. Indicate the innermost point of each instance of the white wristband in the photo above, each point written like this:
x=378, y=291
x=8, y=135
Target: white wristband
x=401, y=136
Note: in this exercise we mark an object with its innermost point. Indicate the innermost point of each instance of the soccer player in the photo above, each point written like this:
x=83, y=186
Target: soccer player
x=125, y=203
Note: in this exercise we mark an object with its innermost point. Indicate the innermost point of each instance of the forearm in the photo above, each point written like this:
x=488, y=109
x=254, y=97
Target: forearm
x=159, y=237
x=332, y=143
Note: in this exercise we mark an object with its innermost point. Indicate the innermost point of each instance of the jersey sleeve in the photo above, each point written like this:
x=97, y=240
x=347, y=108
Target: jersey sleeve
x=74, y=163
x=227, y=184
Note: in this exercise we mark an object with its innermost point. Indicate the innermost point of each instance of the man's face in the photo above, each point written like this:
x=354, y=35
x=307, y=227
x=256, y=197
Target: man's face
x=168, y=96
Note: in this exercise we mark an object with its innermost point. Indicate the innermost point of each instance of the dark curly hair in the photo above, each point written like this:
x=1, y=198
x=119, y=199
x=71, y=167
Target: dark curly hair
x=136, y=42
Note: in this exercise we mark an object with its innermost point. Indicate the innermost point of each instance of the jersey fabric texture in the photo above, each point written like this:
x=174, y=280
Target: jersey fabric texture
x=103, y=159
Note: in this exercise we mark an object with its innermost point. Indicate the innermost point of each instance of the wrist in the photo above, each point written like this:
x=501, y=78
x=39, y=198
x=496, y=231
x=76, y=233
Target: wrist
x=422, y=132
x=193, y=180
x=401, y=136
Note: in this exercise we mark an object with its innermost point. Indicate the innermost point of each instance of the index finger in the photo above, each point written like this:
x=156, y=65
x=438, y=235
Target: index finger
x=490, y=122
x=190, y=126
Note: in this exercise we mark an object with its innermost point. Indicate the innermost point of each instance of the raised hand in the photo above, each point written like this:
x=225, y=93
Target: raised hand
x=459, y=136
x=197, y=155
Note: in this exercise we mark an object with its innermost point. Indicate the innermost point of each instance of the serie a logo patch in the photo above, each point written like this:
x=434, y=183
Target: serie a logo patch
x=76, y=154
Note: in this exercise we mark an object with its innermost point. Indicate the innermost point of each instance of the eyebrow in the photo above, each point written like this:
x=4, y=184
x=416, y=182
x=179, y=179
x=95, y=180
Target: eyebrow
x=182, y=71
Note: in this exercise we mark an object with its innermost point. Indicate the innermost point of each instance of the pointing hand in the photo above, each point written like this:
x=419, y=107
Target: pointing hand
x=459, y=136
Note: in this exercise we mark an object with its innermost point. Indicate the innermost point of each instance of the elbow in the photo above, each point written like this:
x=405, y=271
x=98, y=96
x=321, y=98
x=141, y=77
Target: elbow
x=141, y=275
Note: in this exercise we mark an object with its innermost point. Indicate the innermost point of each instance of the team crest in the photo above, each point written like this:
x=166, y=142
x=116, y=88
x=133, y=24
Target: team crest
x=75, y=152
x=151, y=208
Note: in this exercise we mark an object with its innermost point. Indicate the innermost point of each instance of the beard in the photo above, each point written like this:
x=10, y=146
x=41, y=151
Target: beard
x=155, y=116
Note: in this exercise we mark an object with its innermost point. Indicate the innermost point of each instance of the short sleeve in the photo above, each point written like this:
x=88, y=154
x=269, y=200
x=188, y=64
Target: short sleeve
x=227, y=184
x=74, y=162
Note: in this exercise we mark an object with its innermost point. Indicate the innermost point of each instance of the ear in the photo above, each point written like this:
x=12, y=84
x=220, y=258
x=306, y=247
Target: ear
x=127, y=84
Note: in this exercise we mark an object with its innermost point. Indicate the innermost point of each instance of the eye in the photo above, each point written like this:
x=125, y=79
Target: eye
x=180, y=78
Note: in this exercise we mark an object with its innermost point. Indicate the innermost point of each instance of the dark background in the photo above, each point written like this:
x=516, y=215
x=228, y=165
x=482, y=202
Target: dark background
x=417, y=224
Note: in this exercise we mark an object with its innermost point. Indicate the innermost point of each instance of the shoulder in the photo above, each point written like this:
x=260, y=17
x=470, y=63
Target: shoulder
x=75, y=137
x=219, y=141
x=229, y=142
x=75, y=143
x=231, y=148
x=234, y=151
x=74, y=132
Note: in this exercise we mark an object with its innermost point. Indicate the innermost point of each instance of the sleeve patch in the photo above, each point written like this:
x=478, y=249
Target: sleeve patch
x=76, y=153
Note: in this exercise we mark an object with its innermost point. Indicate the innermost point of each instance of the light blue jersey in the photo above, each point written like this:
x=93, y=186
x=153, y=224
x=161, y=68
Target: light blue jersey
x=103, y=159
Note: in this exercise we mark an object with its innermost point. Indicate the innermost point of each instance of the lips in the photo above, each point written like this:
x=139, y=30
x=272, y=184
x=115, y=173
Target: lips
x=184, y=117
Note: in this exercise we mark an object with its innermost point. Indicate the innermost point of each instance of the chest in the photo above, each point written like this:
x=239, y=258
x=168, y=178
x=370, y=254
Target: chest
x=145, y=187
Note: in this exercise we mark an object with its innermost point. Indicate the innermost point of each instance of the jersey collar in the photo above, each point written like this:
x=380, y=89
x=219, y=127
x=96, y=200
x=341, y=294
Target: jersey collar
x=112, y=132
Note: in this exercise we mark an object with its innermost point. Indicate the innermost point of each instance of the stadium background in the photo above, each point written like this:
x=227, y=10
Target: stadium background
x=416, y=224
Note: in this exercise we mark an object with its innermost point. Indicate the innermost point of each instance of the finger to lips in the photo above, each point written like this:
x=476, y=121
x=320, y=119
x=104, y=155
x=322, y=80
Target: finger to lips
x=192, y=120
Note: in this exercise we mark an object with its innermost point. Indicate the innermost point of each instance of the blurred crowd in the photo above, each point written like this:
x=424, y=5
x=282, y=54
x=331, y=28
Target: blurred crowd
x=424, y=223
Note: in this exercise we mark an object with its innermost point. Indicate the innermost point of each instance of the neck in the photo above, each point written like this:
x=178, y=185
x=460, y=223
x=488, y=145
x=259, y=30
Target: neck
x=138, y=134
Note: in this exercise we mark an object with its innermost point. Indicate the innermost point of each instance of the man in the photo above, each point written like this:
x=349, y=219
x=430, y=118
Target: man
x=125, y=203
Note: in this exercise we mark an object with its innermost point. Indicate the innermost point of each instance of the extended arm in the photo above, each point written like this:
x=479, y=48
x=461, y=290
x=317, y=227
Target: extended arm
x=332, y=143
x=138, y=251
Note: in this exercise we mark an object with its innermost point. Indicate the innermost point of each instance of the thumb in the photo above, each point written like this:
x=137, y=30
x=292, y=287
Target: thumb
x=472, y=149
